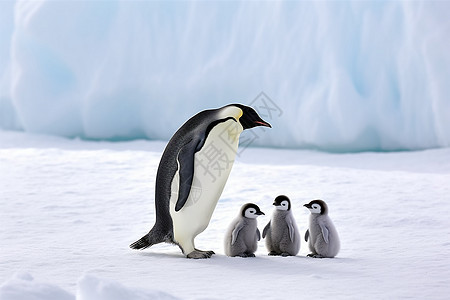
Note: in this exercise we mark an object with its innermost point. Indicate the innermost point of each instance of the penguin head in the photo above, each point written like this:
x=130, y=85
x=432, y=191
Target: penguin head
x=249, y=117
x=251, y=211
x=282, y=202
x=317, y=207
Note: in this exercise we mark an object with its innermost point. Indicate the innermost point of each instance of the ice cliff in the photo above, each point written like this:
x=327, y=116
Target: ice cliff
x=337, y=76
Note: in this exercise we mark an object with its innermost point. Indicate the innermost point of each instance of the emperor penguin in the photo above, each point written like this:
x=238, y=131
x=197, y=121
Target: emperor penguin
x=192, y=173
x=281, y=233
x=322, y=235
x=243, y=235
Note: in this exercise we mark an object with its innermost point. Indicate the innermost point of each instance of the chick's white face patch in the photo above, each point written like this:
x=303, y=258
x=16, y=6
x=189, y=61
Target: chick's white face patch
x=250, y=213
x=284, y=205
x=315, y=209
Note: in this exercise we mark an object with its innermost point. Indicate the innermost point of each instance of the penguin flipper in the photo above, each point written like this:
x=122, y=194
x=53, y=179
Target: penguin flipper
x=258, y=234
x=235, y=232
x=291, y=230
x=186, y=161
x=324, y=232
x=306, y=235
x=266, y=229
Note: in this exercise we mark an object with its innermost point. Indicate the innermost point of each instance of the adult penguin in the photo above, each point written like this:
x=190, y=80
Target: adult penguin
x=192, y=174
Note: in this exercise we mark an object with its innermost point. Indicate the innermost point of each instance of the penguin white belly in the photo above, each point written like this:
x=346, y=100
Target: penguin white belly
x=212, y=165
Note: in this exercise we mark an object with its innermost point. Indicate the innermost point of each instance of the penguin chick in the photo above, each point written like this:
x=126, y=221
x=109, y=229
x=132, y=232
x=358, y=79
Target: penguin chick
x=322, y=235
x=243, y=235
x=281, y=233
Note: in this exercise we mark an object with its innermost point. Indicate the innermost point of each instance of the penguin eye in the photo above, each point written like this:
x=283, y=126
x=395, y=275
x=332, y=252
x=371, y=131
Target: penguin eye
x=252, y=211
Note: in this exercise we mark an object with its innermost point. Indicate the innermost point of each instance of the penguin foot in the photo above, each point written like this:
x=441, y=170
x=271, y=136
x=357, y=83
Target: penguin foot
x=315, y=255
x=246, y=255
x=273, y=253
x=198, y=254
x=284, y=254
x=210, y=252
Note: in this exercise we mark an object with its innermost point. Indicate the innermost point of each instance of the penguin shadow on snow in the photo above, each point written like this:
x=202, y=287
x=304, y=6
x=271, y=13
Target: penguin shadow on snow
x=162, y=254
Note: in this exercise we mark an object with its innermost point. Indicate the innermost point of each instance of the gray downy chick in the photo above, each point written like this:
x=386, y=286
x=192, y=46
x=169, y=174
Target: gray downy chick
x=281, y=233
x=243, y=235
x=322, y=235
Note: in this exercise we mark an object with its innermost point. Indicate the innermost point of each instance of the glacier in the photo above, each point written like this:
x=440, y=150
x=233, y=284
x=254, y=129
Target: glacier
x=335, y=76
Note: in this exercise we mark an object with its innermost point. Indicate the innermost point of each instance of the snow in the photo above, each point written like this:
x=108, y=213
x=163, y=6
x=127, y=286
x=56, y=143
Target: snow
x=23, y=286
x=344, y=76
x=70, y=208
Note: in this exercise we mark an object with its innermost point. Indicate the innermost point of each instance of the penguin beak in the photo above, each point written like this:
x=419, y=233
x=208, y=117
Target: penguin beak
x=262, y=123
x=276, y=204
x=307, y=205
x=260, y=213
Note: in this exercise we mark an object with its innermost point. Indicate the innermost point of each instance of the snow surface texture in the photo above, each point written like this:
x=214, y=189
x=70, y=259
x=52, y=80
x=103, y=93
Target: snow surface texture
x=70, y=208
x=345, y=76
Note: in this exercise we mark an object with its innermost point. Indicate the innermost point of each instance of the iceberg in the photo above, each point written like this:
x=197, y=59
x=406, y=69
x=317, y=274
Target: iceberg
x=334, y=76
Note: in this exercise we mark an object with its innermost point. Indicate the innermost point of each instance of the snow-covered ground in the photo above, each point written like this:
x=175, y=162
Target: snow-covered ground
x=70, y=208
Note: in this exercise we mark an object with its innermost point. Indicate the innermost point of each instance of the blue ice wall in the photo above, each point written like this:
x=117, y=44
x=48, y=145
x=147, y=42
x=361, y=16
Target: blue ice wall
x=338, y=76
